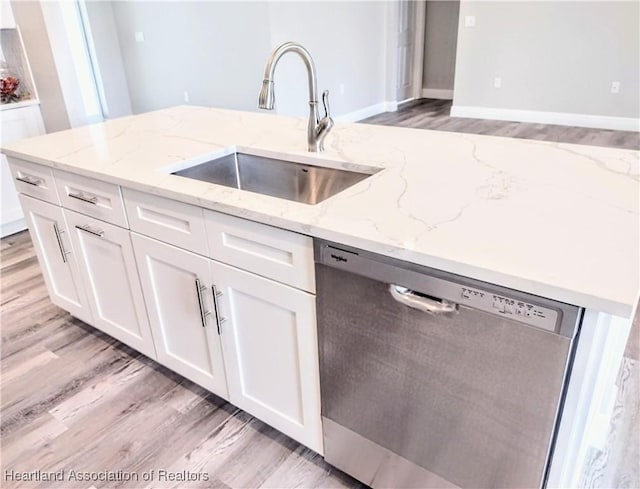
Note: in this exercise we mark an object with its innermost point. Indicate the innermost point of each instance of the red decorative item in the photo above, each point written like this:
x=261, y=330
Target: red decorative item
x=9, y=88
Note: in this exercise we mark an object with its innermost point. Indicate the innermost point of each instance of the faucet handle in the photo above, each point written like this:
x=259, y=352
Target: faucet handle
x=325, y=102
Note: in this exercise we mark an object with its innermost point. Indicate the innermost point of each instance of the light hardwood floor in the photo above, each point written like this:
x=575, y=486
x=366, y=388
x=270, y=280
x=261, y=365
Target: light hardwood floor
x=75, y=399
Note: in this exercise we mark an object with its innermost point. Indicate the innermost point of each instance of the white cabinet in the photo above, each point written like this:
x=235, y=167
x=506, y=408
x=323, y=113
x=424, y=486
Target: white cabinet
x=17, y=123
x=107, y=264
x=92, y=197
x=243, y=330
x=58, y=263
x=270, y=351
x=173, y=222
x=268, y=251
x=264, y=330
x=177, y=289
x=34, y=180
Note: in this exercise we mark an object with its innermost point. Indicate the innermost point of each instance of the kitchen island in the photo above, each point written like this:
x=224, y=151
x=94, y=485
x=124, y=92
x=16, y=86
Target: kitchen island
x=555, y=220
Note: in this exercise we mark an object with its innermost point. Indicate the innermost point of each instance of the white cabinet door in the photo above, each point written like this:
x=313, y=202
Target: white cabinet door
x=106, y=262
x=270, y=351
x=16, y=124
x=176, y=286
x=57, y=260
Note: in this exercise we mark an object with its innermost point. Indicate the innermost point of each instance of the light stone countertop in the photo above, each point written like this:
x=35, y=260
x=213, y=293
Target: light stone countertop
x=557, y=220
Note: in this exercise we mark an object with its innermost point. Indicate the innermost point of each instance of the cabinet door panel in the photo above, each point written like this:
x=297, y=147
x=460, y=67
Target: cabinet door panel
x=270, y=346
x=109, y=271
x=183, y=344
x=274, y=253
x=56, y=258
x=167, y=220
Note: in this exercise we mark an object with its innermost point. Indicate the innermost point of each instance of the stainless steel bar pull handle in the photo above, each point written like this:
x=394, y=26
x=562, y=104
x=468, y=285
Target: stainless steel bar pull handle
x=216, y=307
x=203, y=312
x=410, y=299
x=64, y=253
x=89, y=199
x=87, y=229
x=30, y=180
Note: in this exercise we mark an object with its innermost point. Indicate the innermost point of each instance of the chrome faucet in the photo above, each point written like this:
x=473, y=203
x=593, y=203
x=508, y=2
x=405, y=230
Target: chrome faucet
x=318, y=128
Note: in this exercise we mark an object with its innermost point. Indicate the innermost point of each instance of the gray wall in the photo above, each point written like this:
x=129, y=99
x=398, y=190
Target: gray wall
x=213, y=50
x=347, y=42
x=441, y=35
x=217, y=51
x=29, y=17
x=552, y=56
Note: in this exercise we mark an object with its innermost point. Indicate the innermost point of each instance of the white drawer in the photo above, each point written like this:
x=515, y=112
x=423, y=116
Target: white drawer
x=34, y=180
x=281, y=255
x=92, y=197
x=170, y=221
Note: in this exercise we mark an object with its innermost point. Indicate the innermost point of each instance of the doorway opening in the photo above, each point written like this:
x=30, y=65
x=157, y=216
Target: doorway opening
x=426, y=49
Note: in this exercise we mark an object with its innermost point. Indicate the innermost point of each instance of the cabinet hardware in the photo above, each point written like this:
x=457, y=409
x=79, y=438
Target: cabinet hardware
x=87, y=229
x=59, y=239
x=92, y=199
x=203, y=313
x=216, y=307
x=36, y=182
x=431, y=306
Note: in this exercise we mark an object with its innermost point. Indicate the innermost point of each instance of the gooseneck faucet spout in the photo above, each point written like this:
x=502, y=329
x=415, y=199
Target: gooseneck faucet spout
x=318, y=128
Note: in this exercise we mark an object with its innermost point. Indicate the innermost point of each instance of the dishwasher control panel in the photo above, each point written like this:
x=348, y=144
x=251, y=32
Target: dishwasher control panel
x=525, y=312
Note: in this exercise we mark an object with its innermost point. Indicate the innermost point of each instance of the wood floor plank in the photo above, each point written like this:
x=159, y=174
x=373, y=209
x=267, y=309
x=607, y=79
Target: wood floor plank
x=29, y=360
x=30, y=438
x=300, y=469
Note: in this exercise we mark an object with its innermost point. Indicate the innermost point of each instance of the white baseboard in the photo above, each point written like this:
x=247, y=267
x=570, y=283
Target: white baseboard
x=437, y=93
x=9, y=228
x=358, y=115
x=540, y=117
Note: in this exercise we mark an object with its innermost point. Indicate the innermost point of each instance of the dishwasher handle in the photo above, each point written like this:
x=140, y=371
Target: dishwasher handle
x=410, y=299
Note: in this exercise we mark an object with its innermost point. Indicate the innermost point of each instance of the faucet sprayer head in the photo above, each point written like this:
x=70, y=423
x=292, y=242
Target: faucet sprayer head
x=267, y=95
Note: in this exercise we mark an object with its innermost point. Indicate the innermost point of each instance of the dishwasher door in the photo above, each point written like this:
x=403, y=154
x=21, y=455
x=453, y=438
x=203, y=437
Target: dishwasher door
x=413, y=399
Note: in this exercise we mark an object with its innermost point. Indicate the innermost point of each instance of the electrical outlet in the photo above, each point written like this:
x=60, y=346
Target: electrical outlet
x=186, y=96
x=139, y=36
x=497, y=82
x=615, y=87
x=342, y=89
x=469, y=20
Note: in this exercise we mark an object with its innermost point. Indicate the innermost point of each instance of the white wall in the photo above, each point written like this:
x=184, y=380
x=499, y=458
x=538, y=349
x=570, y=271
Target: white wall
x=217, y=51
x=557, y=57
x=29, y=17
x=73, y=69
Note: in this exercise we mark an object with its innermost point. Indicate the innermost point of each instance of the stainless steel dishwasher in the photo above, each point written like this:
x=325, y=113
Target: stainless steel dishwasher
x=430, y=379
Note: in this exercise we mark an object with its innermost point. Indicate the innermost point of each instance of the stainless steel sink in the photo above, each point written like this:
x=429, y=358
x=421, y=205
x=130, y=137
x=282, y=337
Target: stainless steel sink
x=299, y=182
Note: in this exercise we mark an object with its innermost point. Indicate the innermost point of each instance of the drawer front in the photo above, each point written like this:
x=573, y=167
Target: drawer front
x=170, y=221
x=92, y=197
x=34, y=180
x=281, y=255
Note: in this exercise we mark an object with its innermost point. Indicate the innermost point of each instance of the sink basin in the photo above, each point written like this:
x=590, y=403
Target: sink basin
x=289, y=180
